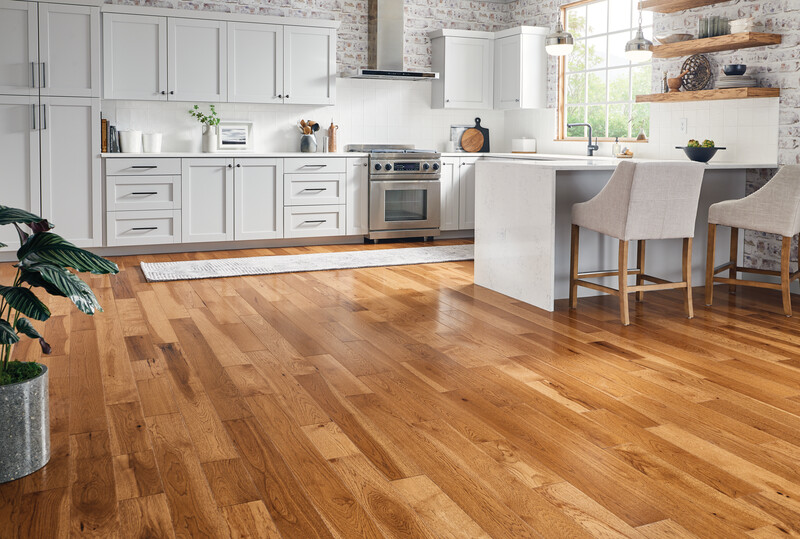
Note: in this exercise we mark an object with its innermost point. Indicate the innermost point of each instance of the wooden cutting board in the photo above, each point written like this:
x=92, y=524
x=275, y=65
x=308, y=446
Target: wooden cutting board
x=472, y=140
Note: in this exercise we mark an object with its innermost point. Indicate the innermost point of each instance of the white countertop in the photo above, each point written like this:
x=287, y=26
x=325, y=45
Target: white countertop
x=555, y=161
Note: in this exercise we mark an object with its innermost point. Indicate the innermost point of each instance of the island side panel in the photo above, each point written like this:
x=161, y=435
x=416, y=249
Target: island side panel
x=514, y=230
x=599, y=252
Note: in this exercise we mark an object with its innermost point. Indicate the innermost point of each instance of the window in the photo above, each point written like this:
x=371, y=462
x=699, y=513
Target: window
x=597, y=83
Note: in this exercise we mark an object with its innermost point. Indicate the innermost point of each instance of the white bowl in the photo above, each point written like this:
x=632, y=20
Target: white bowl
x=673, y=38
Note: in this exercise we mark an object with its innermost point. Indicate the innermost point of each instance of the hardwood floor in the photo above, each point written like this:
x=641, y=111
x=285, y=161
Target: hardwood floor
x=406, y=402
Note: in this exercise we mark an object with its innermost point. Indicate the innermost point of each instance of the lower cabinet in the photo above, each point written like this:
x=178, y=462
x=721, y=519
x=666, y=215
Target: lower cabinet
x=207, y=199
x=143, y=227
x=449, y=195
x=258, y=199
x=313, y=221
x=357, y=196
x=458, y=193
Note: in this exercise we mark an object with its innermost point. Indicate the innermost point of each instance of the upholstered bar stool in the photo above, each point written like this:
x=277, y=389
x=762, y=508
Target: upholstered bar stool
x=641, y=201
x=775, y=209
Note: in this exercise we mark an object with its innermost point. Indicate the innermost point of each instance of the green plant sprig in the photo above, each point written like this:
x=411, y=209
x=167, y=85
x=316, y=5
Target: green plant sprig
x=210, y=119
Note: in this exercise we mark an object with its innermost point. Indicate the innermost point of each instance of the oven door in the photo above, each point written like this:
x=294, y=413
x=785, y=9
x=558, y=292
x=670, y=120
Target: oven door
x=404, y=204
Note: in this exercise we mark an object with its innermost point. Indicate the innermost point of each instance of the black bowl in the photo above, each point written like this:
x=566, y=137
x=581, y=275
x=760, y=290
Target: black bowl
x=734, y=69
x=701, y=155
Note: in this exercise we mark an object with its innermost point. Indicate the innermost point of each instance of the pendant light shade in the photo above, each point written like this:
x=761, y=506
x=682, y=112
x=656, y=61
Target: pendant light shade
x=559, y=43
x=639, y=49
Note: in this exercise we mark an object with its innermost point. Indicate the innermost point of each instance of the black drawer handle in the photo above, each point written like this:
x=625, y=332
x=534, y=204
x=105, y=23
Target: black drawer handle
x=145, y=228
x=315, y=189
x=314, y=166
x=144, y=166
x=145, y=193
x=315, y=222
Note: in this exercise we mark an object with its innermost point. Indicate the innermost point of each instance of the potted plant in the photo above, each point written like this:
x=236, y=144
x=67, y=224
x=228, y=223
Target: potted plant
x=210, y=122
x=43, y=262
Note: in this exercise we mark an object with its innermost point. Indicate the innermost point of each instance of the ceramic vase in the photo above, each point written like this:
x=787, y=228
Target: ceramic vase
x=209, y=139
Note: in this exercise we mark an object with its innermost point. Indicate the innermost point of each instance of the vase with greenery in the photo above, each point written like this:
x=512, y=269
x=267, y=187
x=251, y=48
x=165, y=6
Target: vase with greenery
x=209, y=122
x=43, y=262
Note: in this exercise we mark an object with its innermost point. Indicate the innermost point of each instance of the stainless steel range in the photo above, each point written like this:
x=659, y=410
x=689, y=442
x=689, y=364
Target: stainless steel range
x=404, y=191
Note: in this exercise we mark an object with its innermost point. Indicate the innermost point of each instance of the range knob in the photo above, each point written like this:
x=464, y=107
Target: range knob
x=388, y=166
x=426, y=166
x=436, y=166
x=377, y=166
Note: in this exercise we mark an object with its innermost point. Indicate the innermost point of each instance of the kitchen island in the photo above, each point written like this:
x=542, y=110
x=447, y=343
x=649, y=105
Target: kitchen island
x=523, y=220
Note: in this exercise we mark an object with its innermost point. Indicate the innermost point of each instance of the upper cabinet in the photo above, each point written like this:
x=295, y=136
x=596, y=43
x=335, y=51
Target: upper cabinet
x=134, y=57
x=309, y=65
x=255, y=63
x=49, y=49
x=520, y=68
x=156, y=57
x=464, y=61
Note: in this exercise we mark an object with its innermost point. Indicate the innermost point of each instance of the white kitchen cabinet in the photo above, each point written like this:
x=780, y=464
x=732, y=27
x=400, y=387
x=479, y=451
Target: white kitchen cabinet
x=70, y=168
x=197, y=61
x=19, y=48
x=520, y=68
x=134, y=57
x=314, y=221
x=309, y=65
x=255, y=63
x=69, y=50
x=357, y=216
x=466, y=192
x=19, y=151
x=207, y=199
x=150, y=227
x=258, y=196
x=449, y=195
x=463, y=60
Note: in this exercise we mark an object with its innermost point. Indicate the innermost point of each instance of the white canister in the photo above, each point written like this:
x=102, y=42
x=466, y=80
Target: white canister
x=523, y=145
x=130, y=141
x=151, y=142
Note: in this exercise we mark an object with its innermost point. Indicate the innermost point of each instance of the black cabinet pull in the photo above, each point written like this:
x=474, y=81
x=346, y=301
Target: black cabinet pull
x=238, y=165
x=144, y=166
x=145, y=228
x=314, y=222
x=171, y=92
x=145, y=193
x=315, y=189
x=314, y=166
x=163, y=92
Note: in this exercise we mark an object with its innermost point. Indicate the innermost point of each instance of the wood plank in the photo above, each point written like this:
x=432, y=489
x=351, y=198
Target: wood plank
x=250, y=521
x=729, y=42
x=145, y=517
x=671, y=6
x=136, y=475
x=230, y=482
x=87, y=406
x=93, y=499
x=709, y=95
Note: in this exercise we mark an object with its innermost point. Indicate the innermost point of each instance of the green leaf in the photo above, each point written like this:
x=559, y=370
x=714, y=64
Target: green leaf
x=62, y=282
x=52, y=248
x=25, y=327
x=14, y=215
x=25, y=301
x=7, y=333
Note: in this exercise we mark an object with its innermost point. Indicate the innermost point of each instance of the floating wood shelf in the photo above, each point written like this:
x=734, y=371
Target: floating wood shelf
x=742, y=40
x=709, y=95
x=671, y=6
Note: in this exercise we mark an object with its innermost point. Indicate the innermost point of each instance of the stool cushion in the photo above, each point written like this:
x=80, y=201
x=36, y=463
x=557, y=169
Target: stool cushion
x=775, y=208
x=645, y=201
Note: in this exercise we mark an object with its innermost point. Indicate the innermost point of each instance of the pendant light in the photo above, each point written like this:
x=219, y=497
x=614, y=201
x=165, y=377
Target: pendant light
x=559, y=43
x=639, y=49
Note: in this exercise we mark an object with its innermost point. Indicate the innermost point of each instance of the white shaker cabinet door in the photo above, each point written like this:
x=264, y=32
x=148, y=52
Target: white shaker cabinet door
x=357, y=215
x=255, y=63
x=19, y=48
x=309, y=65
x=468, y=77
x=258, y=195
x=507, y=74
x=207, y=199
x=449, y=198
x=134, y=57
x=466, y=193
x=19, y=151
x=69, y=50
x=197, y=60
x=70, y=161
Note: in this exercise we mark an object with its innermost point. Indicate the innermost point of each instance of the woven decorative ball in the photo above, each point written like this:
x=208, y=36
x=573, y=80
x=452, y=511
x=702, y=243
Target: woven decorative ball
x=699, y=73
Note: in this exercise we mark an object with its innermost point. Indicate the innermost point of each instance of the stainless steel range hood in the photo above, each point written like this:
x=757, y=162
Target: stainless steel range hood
x=386, y=43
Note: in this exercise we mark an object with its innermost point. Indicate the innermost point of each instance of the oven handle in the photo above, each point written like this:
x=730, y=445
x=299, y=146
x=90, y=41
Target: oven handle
x=406, y=184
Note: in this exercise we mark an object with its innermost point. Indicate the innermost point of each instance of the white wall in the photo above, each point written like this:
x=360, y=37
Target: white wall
x=367, y=111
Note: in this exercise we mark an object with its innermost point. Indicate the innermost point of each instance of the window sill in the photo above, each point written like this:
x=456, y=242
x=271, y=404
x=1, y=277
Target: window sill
x=621, y=141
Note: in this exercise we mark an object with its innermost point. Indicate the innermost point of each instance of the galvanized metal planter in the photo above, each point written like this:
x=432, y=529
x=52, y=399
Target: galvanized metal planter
x=24, y=427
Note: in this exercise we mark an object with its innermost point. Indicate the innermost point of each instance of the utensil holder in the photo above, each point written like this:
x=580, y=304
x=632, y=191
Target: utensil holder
x=308, y=143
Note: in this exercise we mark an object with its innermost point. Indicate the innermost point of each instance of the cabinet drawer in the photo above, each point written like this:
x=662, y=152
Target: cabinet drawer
x=306, y=189
x=147, y=193
x=313, y=221
x=143, y=227
x=313, y=165
x=142, y=166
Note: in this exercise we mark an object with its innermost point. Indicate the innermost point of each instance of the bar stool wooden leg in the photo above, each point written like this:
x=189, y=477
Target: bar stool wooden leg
x=624, y=316
x=640, y=264
x=734, y=258
x=712, y=239
x=687, y=276
x=786, y=248
x=573, y=267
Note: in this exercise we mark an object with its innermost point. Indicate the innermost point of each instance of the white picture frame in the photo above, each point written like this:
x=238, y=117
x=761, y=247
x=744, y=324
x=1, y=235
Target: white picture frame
x=235, y=136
